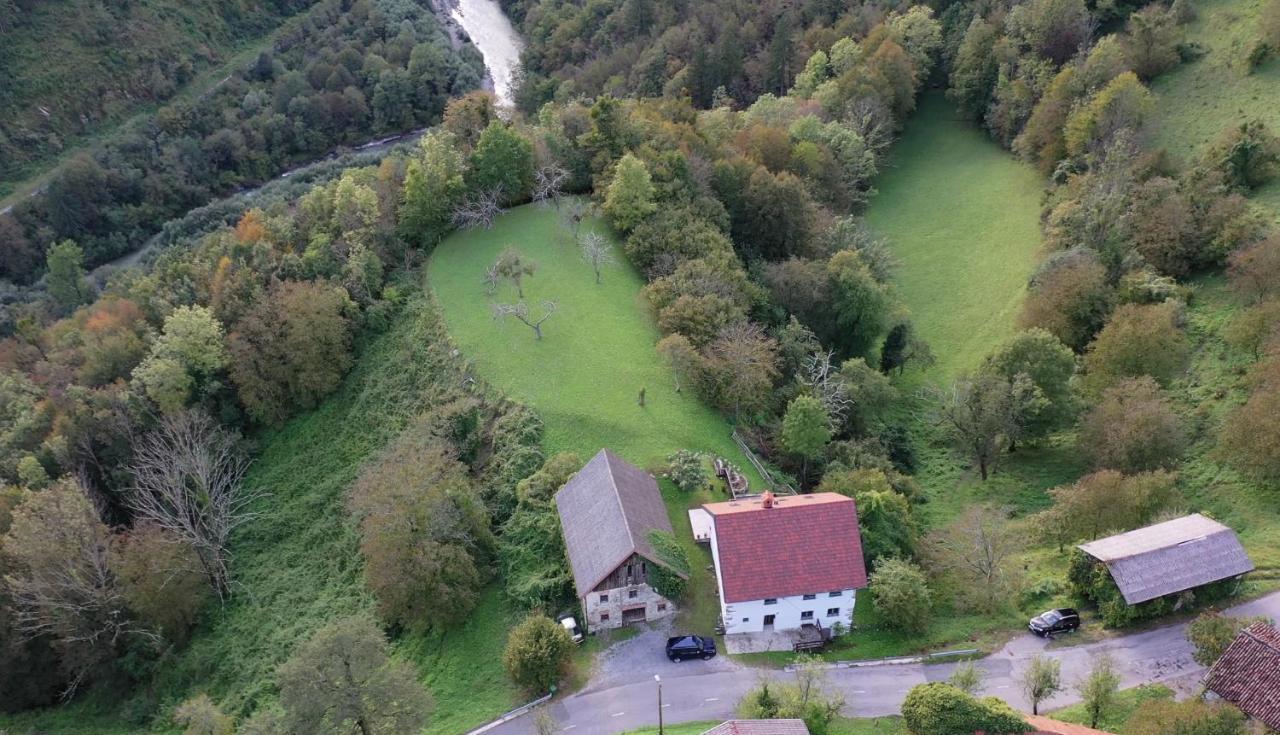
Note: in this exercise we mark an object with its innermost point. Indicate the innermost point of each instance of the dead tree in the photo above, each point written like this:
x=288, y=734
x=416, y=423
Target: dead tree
x=824, y=380
x=548, y=184
x=187, y=477
x=520, y=312
x=479, y=209
x=597, y=252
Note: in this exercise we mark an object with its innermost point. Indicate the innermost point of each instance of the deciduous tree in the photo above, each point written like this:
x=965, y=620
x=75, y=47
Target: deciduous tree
x=1106, y=501
x=1050, y=365
x=341, y=681
x=160, y=578
x=629, y=198
x=1133, y=428
x=65, y=277
x=1041, y=680
x=537, y=653
x=986, y=414
x=901, y=593
x=424, y=533
x=805, y=430
x=1139, y=339
x=1098, y=690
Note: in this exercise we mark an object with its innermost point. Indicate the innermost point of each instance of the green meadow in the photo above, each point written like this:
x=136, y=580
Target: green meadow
x=962, y=217
x=585, y=375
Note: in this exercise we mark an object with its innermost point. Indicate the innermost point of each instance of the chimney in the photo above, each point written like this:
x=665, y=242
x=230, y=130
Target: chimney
x=766, y=500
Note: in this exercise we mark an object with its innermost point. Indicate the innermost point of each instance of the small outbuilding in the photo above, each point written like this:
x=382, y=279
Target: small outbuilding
x=607, y=511
x=1248, y=674
x=1170, y=557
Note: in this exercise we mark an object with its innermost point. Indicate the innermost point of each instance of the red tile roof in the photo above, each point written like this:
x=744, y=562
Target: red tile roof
x=1248, y=674
x=803, y=545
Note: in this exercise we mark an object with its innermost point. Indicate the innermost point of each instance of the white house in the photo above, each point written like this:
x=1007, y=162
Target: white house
x=607, y=511
x=785, y=562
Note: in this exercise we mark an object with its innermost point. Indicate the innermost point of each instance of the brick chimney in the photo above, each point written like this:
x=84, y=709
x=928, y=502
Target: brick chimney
x=766, y=500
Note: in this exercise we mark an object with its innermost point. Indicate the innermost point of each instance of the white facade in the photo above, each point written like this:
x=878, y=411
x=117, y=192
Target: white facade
x=825, y=607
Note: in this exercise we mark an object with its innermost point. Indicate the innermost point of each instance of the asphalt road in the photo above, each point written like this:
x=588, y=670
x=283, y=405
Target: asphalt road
x=692, y=691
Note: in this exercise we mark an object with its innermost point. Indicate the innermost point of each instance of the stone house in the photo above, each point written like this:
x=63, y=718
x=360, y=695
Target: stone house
x=607, y=511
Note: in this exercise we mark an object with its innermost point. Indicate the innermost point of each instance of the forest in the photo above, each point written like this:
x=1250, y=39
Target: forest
x=265, y=455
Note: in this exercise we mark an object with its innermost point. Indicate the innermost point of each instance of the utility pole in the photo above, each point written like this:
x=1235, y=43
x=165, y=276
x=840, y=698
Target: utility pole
x=658, y=679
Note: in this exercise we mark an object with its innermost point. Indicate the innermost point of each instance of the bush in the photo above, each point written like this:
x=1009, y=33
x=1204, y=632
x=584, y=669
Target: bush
x=537, y=653
x=200, y=716
x=1132, y=429
x=1189, y=717
x=687, y=470
x=1211, y=632
x=942, y=709
x=1139, y=339
x=901, y=593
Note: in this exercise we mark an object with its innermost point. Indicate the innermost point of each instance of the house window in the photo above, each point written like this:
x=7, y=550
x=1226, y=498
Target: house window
x=833, y=612
x=837, y=593
x=746, y=620
x=806, y=615
x=644, y=567
x=810, y=597
x=604, y=617
x=662, y=607
x=632, y=594
x=771, y=601
x=604, y=598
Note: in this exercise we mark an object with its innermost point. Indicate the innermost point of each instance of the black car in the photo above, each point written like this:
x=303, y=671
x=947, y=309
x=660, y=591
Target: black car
x=1062, y=620
x=690, y=646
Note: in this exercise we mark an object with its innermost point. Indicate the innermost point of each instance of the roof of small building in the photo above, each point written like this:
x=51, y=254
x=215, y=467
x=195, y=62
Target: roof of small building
x=1248, y=674
x=759, y=727
x=803, y=544
x=1170, y=557
x=606, y=512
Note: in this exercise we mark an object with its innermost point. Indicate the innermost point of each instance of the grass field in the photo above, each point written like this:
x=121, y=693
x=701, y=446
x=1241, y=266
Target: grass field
x=584, y=376
x=962, y=217
x=840, y=726
x=1196, y=102
x=1115, y=719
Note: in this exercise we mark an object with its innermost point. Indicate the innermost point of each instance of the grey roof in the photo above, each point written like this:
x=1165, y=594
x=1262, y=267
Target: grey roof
x=1170, y=557
x=759, y=727
x=607, y=511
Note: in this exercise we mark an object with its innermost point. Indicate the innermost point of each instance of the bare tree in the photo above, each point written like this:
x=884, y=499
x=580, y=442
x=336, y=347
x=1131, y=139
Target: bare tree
x=520, y=312
x=61, y=582
x=824, y=380
x=974, y=553
x=187, y=477
x=479, y=209
x=548, y=184
x=492, y=279
x=597, y=252
x=573, y=213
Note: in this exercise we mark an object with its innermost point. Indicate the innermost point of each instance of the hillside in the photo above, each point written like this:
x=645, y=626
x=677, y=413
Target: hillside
x=73, y=68
x=962, y=219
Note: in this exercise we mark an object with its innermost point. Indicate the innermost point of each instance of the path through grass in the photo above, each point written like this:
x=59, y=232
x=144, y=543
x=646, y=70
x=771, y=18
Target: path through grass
x=962, y=216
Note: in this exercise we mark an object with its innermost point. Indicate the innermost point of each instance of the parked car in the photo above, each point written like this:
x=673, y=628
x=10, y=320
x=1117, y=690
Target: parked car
x=569, y=623
x=690, y=646
x=1062, y=620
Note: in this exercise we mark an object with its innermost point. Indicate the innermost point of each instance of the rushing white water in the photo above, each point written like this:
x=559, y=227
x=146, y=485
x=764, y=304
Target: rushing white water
x=491, y=32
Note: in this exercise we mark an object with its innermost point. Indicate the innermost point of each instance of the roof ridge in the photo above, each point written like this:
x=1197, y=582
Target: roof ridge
x=617, y=494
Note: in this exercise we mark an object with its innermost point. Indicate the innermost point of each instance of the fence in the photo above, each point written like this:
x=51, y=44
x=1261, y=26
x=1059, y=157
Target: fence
x=765, y=474
x=517, y=712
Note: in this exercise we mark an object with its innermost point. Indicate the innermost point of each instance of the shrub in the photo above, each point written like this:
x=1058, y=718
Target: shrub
x=1106, y=501
x=1132, y=429
x=200, y=716
x=1211, y=632
x=537, y=653
x=1250, y=435
x=687, y=470
x=901, y=593
x=1189, y=717
x=1139, y=339
x=942, y=709
x=1069, y=297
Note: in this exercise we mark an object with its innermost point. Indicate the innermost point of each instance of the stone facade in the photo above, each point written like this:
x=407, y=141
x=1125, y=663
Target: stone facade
x=607, y=608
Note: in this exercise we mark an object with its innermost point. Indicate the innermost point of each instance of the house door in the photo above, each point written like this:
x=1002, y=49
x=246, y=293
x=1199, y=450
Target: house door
x=768, y=622
x=633, y=615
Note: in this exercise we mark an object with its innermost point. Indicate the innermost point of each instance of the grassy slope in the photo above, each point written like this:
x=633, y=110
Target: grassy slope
x=597, y=352
x=298, y=565
x=841, y=726
x=961, y=215
x=1197, y=102
x=1115, y=719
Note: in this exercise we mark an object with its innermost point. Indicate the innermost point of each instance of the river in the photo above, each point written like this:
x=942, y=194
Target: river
x=489, y=30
